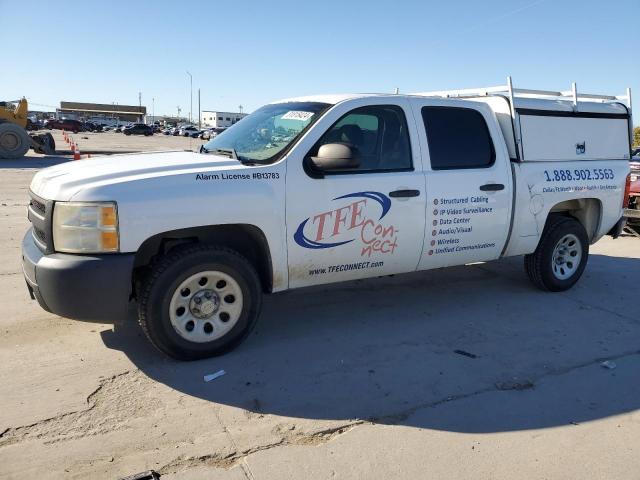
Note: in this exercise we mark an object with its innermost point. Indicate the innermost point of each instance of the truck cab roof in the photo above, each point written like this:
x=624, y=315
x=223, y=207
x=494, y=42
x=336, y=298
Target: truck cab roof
x=521, y=102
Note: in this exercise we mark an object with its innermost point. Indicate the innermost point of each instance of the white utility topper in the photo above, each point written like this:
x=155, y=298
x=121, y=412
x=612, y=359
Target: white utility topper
x=324, y=189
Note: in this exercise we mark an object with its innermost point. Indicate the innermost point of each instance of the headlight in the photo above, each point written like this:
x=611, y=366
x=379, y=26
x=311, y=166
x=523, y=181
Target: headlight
x=80, y=227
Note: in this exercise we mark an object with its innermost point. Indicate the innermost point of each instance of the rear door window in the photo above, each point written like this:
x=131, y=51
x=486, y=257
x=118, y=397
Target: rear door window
x=458, y=138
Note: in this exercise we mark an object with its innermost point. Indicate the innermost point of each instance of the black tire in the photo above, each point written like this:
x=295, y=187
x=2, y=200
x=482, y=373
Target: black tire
x=14, y=141
x=166, y=276
x=45, y=143
x=540, y=264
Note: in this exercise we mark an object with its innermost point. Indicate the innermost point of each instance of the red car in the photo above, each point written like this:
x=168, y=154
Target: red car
x=67, y=124
x=633, y=210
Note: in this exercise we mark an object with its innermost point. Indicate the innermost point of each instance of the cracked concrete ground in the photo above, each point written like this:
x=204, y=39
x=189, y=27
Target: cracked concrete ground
x=356, y=380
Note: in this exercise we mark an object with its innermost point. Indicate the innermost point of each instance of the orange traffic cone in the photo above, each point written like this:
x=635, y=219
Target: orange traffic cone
x=76, y=153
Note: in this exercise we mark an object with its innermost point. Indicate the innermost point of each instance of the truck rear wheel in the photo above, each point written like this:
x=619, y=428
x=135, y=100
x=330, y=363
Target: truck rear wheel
x=14, y=141
x=561, y=256
x=199, y=302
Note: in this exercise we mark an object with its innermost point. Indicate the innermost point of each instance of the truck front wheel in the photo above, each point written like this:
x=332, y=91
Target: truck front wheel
x=561, y=256
x=199, y=302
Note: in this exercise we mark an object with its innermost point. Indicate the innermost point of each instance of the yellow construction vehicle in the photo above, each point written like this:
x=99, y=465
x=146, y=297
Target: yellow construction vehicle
x=14, y=139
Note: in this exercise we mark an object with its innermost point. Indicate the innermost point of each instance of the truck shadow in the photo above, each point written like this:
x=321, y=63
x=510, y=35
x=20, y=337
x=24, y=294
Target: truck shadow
x=468, y=349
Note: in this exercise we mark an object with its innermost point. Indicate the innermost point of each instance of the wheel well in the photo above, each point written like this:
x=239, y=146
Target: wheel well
x=588, y=211
x=248, y=240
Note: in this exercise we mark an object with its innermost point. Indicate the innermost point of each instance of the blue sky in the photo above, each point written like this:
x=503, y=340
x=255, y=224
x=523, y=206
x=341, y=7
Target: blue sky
x=248, y=53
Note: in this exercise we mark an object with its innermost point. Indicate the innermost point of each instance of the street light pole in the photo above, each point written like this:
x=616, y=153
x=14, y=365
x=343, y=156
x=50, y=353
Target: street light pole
x=153, y=109
x=191, y=105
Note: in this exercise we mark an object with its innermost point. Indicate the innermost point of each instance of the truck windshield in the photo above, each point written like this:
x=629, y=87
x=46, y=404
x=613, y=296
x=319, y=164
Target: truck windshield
x=262, y=136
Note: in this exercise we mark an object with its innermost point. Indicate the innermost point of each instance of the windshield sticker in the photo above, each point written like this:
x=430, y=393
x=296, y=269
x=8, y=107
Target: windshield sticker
x=349, y=223
x=297, y=115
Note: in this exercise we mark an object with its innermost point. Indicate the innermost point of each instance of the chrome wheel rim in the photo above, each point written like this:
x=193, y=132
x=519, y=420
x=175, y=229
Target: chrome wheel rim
x=205, y=306
x=566, y=257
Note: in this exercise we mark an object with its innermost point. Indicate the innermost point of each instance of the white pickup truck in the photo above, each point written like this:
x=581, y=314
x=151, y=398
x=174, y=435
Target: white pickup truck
x=324, y=189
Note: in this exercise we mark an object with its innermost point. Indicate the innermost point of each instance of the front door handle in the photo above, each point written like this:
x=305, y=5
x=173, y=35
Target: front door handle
x=492, y=187
x=404, y=193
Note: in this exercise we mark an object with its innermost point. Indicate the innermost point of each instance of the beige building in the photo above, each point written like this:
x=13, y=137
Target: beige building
x=80, y=111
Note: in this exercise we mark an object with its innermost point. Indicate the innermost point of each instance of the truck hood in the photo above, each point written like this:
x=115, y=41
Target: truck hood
x=63, y=181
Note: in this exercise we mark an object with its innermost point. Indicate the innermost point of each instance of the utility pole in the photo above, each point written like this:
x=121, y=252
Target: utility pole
x=199, y=113
x=240, y=108
x=178, y=107
x=191, y=105
x=153, y=109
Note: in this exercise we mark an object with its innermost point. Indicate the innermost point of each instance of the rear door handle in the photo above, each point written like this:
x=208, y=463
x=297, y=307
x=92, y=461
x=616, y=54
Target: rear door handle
x=404, y=193
x=492, y=187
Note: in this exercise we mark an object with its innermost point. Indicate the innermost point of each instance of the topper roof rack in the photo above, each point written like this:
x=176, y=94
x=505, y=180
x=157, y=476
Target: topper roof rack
x=512, y=94
x=508, y=89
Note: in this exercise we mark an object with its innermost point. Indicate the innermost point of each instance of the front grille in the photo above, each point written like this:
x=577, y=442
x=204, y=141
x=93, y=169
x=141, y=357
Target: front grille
x=40, y=235
x=38, y=206
x=39, y=213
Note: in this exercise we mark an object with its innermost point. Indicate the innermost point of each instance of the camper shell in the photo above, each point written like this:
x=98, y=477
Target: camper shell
x=544, y=125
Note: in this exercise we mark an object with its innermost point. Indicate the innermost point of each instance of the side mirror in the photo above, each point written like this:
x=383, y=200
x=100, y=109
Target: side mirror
x=335, y=156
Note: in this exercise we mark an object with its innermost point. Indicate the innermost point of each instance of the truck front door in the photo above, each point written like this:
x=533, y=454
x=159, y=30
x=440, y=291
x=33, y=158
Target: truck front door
x=469, y=183
x=364, y=221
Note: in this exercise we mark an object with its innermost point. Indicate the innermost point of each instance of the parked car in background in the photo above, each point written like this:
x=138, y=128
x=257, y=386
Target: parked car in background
x=633, y=208
x=206, y=134
x=66, y=124
x=188, y=131
x=209, y=133
x=33, y=124
x=92, y=127
x=138, y=129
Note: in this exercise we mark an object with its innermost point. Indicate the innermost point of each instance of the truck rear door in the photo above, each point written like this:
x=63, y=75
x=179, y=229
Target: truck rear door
x=469, y=182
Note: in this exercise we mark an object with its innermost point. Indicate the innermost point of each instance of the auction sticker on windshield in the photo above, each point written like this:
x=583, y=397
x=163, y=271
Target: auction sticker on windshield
x=297, y=115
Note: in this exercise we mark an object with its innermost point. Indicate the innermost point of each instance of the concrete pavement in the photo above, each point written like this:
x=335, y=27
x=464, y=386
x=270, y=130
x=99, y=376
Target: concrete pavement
x=355, y=380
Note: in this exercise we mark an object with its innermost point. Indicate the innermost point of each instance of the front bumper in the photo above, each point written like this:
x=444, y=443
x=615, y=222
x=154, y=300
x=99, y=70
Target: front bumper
x=82, y=287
